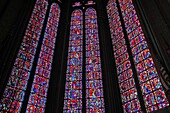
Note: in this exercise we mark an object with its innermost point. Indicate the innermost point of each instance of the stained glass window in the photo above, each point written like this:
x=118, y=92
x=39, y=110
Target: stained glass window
x=127, y=85
x=94, y=85
x=15, y=90
x=152, y=90
x=37, y=99
x=73, y=87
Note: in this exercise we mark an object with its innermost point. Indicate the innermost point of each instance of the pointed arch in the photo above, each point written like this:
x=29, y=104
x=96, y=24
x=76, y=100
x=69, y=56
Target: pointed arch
x=94, y=85
x=73, y=86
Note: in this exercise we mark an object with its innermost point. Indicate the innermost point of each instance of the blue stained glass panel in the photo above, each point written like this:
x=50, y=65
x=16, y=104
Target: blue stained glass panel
x=17, y=83
x=153, y=93
x=73, y=86
x=94, y=85
x=127, y=85
x=37, y=98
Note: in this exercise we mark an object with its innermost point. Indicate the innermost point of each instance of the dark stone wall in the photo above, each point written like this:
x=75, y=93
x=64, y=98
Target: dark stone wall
x=157, y=13
x=164, y=6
